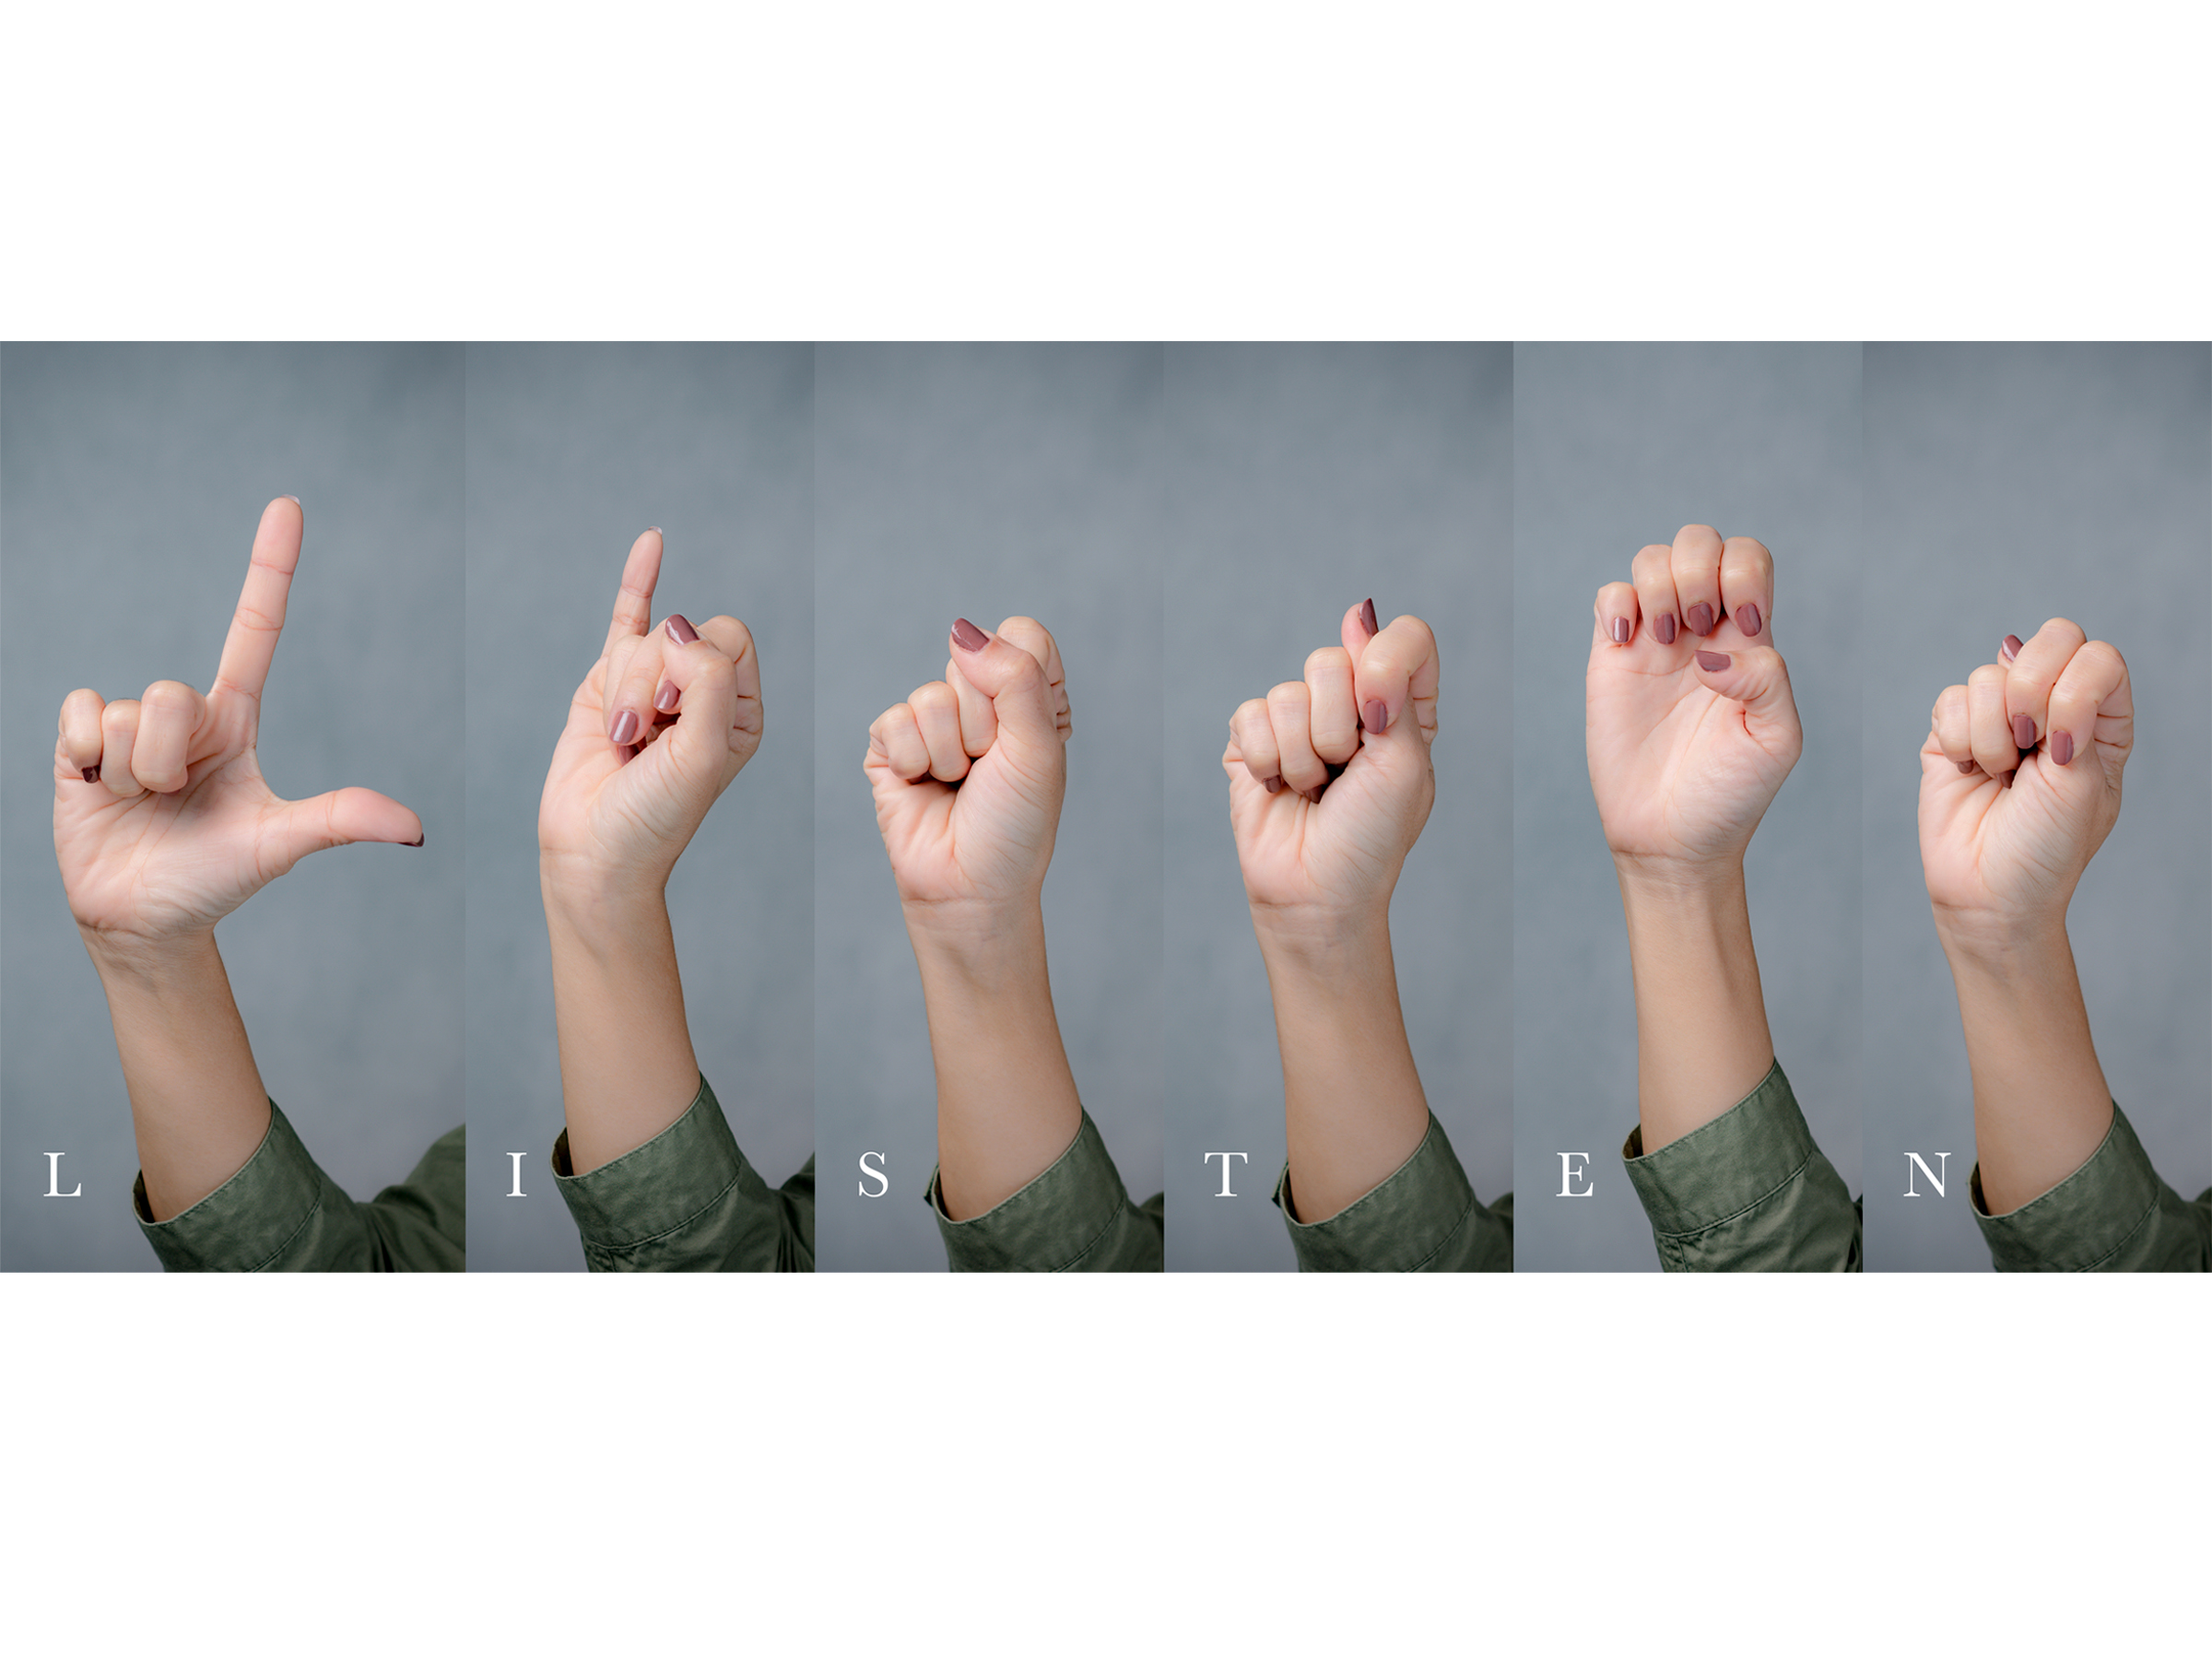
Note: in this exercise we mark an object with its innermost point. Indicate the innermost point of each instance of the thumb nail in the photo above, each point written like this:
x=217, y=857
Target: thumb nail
x=1713, y=662
x=1375, y=714
x=1367, y=618
x=968, y=636
x=2010, y=649
x=416, y=842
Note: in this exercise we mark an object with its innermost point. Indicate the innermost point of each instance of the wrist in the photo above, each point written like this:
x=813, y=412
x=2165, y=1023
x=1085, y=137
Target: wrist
x=2001, y=946
x=595, y=900
x=988, y=944
x=1314, y=942
x=147, y=960
x=1661, y=884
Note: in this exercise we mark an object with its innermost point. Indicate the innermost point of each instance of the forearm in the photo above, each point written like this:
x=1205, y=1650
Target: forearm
x=198, y=1105
x=1702, y=1038
x=2042, y=1105
x=1006, y=1100
x=1353, y=1110
x=627, y=1066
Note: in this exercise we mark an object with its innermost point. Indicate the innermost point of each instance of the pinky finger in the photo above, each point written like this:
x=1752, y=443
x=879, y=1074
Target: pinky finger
x=1954, y=728
x=898, y=735
x=1617, y=613
x=1254, y=735
x=79, y=746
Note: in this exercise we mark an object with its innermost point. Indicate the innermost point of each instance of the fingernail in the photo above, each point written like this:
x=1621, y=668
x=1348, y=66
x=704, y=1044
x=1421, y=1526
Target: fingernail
x=1367, y=618
x=1699, y=617
x=1746, y=618
x=1274, y=787
x=293, y=499
x=2023, y=732
x=968, y=636
x=2062, y=748
x=1966, y=766
x=416, y=842
x=91, y=774
x=1713, y=662
x=1375, y=714
x=2010, y=649
x=1315, y=795
x=657, y=530
x=681, y=631
x=1619, y=631
x=2007, y=778
x=624, y=730
x=664, y=700
x=1666, y=629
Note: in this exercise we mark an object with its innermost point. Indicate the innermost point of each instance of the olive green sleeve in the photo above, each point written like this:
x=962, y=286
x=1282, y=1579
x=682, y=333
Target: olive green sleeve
x=1749, y=1191
x=2114, y=1215
x=687, y=1201
x=1422, y=1218
x=1074, y=1218
x=281, y=1214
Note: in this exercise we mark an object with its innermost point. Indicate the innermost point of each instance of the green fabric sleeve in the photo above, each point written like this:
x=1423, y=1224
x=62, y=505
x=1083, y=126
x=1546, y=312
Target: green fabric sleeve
x=687, y=1201
x=281, y=1214
x=2114, y=1215
x=1422, y=1218
x=1749, y=1192
x=1074, y=1218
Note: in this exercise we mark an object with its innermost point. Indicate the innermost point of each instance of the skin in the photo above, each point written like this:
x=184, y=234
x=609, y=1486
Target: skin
x=1684, y=757
x=162, y=826
x=968, y=775
x=611, y=824
x=1320, y=855
x=2006, y=831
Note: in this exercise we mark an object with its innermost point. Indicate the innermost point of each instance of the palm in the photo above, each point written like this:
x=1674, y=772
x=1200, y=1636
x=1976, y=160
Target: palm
x=1678, y=771
x=988, y=838
x=2014, y=852
x=1344, y=849
x=599, y=808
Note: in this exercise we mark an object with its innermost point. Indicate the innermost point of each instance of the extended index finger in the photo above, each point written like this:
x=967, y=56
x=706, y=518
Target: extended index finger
x=633, y=601
x=250, y=645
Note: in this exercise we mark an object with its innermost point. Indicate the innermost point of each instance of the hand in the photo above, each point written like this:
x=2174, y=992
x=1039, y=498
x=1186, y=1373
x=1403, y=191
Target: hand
x=1329, y=777
x=163, y=823
x=969, y=773
x=2019, y=783
x=666, y=718
x=1691, y=724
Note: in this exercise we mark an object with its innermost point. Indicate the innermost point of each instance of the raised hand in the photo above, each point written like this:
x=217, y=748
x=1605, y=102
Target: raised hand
x=969, y=773
x=162, y=821
x=1329, y=776
x=656, y=731
x=1691, y=724
x=2019, y=780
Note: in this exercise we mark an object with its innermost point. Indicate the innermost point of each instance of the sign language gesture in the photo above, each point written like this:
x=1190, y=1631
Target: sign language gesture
x=656, y=731
x=968, y=772
x=1691, y=724
x=162, y=821
x=1329, y=776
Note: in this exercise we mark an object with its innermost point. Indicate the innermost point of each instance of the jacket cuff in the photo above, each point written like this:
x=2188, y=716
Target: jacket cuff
x=2086, y=1220
x=245, y=1224
x=1400, y=1226
x=657, y=1188
x=1075, y=1211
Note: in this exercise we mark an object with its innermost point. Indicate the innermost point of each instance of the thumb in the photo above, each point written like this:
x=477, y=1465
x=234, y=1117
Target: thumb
x=1014, y=679
x=1756, y=678
x=337, y=820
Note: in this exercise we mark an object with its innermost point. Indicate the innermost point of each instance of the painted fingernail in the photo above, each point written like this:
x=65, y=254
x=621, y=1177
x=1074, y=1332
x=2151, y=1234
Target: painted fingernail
x=2010, y=649
x=624, y=730
x=1713, y=662
x=1274, y=787
x=681, y=631
x=656, y=529
x=968, y=636
x=1367, y=618
x=416, y=842
x=2007, y=778
x=1619, y=631
x=1699, y=617
x=1747, y=619
x=1666, y=629
x=1966, y=766
x=2062, y=748
x=293, y=499
x=2023, y=732
x=1374, y=714
x=92, y=773
x=664, y=700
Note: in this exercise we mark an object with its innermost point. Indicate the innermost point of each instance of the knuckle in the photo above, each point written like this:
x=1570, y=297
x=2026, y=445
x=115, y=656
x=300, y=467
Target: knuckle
x=1327, y=659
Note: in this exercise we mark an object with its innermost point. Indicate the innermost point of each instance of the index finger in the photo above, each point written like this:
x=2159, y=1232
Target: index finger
x=250, y=645
x=633, y=600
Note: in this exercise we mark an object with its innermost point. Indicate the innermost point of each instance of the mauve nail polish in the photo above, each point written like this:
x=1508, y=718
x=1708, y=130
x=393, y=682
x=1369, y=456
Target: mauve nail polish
x=681, y=631
x=1966, y=766
x=1666, y=629
x=1367, y=618
x=2010, y=649
x=1747, y=619
x=1699, y=617
x=2023, y=732
x=624, y=730
x=2062, y=748
x=2006, y=779
x=1374, y=714
x=416, y=842
x=1619, y=631
x=1713, y=662
x=1274, y=787
x=664, y=700
x=968, y=636
x=92, y=773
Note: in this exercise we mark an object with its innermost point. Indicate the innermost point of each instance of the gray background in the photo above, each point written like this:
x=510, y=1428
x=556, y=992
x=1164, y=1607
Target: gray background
x=984, y=482
x=2006, y=485
x=573, y=450
x=1616, y=447
x=1302, y=479
x=131, y=480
